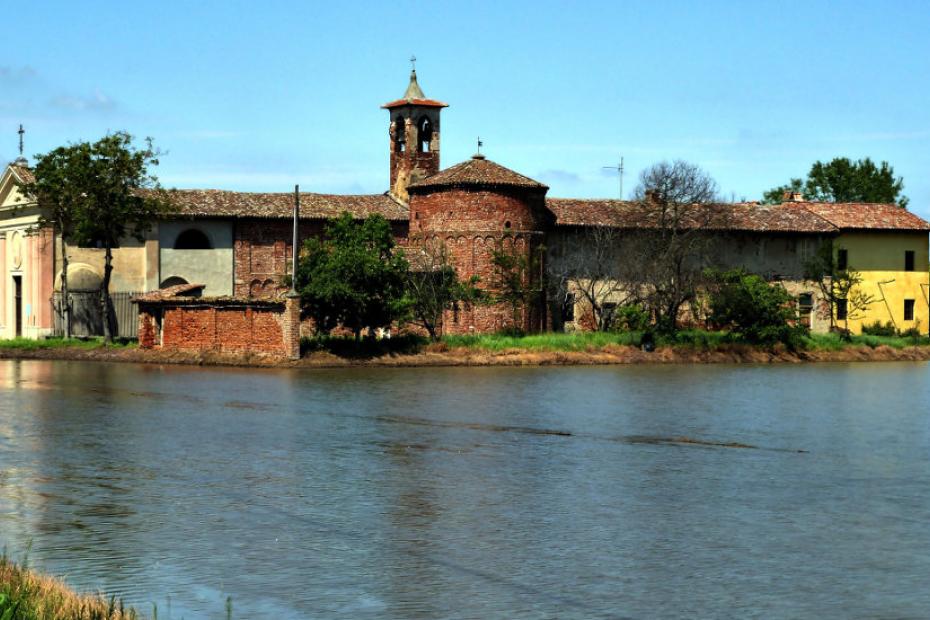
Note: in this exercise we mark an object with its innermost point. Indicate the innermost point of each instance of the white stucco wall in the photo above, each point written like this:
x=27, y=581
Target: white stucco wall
x=213, y=267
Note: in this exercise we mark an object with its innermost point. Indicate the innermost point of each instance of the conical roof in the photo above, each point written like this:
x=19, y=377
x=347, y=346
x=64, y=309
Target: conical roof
x=478, y=172
x=414, y=96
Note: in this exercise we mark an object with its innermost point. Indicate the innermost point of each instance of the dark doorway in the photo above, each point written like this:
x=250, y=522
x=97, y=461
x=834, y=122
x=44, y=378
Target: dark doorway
x=18, y=304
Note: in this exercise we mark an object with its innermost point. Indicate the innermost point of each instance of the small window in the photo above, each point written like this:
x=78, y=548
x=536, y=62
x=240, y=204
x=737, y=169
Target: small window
x=609, y=310
x=568, y=308
x=842, y=259
x=805, y=308
x=507, y=225
x=424, y=134
x=840, y=309
x=908, y=309
x=192, y=239
x=909, y=260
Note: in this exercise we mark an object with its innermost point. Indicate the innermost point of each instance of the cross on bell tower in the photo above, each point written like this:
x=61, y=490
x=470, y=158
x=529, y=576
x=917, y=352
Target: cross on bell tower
x=414, y=133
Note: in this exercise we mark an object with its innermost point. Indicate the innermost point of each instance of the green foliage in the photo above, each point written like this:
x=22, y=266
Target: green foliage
x=752, y=309
x=353, y=277
x=843, y=180
x=28, y=344
x=631, y=318
x=434, y=288
x=97, y=194
x=877, y=329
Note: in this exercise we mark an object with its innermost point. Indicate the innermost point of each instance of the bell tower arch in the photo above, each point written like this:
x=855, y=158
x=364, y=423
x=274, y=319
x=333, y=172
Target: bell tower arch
x=414, y=134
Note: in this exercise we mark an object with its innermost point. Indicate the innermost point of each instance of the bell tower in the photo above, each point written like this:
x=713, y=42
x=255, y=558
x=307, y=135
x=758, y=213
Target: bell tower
x=414, y=133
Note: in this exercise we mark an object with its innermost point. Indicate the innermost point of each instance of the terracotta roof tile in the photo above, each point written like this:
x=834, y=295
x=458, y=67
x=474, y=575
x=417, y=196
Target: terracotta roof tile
x=24, y=173
x=426, y=103
x=477, y=172
x=219, y=203
x=736, y=217
x=169, y=292
x=863, y=215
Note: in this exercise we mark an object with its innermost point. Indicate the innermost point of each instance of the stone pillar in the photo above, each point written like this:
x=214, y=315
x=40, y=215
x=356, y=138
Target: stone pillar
x=291, y=326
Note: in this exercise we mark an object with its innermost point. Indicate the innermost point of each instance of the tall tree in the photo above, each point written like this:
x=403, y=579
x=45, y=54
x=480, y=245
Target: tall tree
x=353, y=276
x=679, y=228
x=844, y=180
x=59, y=190
x=515, y=282
x=123, y=198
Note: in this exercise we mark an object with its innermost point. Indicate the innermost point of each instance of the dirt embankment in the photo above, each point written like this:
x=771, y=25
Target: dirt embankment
x=440, y=356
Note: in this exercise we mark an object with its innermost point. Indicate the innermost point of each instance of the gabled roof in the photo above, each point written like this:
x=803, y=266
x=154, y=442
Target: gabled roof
x=414, y=96
x=23, y=172
x=219, y=203
x=723, y=216
x=477, y=172
x=864, y=215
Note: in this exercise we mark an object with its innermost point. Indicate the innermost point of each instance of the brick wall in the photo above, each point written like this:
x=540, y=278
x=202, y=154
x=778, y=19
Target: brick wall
x=229, y=326
x=473, y=223
x=262, y=254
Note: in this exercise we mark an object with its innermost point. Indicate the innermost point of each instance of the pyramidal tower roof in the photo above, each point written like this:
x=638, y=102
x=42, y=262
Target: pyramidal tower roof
x=414, y=96
x=478, y=172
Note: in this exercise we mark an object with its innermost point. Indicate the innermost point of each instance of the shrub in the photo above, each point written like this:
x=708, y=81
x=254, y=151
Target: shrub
x=631, y=318
x=752, y=309
x=877, y=329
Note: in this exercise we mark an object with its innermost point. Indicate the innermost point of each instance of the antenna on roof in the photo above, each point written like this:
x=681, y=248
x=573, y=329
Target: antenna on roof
x=619, y=170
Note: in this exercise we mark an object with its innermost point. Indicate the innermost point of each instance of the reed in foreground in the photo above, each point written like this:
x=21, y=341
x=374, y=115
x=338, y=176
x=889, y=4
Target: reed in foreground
x=26, y=595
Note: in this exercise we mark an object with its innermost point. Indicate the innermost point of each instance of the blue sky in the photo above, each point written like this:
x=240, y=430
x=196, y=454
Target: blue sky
x=259, y=96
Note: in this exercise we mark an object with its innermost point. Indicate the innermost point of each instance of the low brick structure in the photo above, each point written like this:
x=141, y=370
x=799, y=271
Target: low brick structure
x=175, y=319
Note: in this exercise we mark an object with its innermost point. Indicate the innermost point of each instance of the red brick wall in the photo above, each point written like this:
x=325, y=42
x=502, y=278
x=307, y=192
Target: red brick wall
x=473, y=224
x=262, y=254
x=203, y=327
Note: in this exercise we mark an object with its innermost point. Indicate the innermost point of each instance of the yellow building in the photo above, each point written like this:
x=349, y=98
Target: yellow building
x=888, y=247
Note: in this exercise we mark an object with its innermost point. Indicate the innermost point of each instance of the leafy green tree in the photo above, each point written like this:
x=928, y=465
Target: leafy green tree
x=839, y=287
x=434, y=287
x=752, y=309
x=97, y=194
x=353, y=276
x=59, y=189
x=844, y=180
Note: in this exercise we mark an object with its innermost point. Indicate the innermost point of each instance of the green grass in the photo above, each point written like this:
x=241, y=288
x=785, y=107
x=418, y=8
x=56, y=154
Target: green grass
x=26, y=344
x=579, y=341
x=834, y=342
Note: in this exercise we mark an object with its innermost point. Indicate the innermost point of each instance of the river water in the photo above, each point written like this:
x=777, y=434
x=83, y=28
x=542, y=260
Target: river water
x=610, y=492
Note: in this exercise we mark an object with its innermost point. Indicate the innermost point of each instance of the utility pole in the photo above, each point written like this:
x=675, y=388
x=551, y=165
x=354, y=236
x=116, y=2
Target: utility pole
x=295, y=241
x=619, y=170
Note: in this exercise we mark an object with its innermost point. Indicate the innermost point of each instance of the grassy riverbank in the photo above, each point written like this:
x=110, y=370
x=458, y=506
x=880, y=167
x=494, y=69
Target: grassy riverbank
x=690, y=346
x=26, y=595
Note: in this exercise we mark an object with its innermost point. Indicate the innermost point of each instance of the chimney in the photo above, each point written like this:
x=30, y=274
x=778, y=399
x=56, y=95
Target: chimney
x=790, y=196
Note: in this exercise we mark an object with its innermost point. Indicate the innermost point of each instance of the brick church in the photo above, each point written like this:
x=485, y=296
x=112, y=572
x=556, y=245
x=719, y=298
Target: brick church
x=237, y=245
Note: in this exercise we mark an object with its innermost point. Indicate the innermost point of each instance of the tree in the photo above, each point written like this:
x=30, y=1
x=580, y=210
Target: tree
x=843, y=180
x=839, y=287
x=675, y=241
x=434, y=287
x=59, y=189
x=594, y=270
x=751, y=308
x=514, y=282
x=98, y=194
x=353, y=276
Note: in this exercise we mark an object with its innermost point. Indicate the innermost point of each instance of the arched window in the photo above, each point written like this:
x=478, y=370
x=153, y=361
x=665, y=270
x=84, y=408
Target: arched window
x=192, y=239
x=400, y=134
x=173, y=281
x=424, y=134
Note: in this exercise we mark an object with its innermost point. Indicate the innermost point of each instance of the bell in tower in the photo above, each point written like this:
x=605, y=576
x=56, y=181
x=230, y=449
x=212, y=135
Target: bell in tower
x=414, y=137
